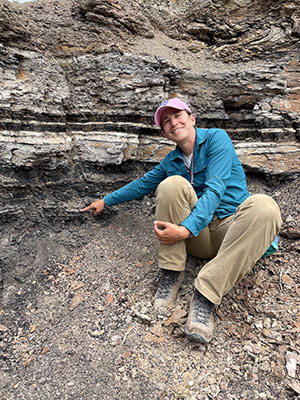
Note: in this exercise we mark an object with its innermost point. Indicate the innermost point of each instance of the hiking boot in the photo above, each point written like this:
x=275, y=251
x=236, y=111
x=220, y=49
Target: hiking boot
x=169, y=285
x=200, y=323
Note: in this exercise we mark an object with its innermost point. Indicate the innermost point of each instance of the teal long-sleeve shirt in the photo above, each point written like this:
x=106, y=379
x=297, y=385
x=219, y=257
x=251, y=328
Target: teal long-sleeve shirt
x=217, y=177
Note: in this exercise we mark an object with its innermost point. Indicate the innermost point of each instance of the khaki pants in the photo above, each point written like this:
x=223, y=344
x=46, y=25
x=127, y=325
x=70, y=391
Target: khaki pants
x=234, y=244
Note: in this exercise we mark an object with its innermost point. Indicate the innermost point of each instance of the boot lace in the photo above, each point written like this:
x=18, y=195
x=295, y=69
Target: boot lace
x=202, y=309
x=167, y=282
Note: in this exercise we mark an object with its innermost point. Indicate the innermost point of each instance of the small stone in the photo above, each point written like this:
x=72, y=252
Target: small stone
x=259, y=325
x=45, y=350
x=211, y=380
x=265, y=366
x=262, y=395
x=97, y=333
x=77, y=299
x=115, y=339
x=213, y=390
x=138, y=264
x=267, y=323
x=291, y=363
x=287, y=280
x=295, y=386
x=157, y=329
x=3, y=328
x=256, y=348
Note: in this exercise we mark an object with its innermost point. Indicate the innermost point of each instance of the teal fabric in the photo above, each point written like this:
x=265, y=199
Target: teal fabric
x=272, y=248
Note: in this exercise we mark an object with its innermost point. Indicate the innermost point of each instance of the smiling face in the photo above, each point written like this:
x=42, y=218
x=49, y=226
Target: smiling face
x=179, y=126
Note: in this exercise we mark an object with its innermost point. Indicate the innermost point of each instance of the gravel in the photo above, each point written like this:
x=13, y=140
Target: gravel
x=77, y=320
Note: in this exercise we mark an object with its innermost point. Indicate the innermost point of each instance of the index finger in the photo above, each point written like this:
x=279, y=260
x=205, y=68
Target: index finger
x=86, y=208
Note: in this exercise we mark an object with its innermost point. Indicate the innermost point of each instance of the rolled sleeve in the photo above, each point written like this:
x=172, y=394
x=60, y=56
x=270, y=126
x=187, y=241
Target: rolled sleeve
x=138, y=188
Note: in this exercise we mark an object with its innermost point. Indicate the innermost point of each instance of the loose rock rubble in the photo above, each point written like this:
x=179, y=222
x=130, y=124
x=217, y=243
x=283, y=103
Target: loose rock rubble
x=81, y=324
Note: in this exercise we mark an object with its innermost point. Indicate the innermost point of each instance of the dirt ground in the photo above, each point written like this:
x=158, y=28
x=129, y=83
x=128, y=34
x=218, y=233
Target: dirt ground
x=77, y=320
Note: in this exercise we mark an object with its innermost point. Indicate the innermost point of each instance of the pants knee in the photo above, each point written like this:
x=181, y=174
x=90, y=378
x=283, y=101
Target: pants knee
x=170, y=186
x=265, y=209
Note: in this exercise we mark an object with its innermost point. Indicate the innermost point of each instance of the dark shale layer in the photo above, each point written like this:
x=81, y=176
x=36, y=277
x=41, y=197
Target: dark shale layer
x=80, y=80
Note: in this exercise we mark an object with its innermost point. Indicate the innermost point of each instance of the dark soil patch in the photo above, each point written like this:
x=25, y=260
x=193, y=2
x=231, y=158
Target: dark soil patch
x=77, y=319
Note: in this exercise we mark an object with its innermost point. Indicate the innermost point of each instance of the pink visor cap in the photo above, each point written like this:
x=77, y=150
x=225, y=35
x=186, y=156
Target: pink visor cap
x=171, y=103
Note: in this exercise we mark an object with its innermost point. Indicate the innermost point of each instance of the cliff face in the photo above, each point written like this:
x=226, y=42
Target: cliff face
x=79, y=83
x=80, y=80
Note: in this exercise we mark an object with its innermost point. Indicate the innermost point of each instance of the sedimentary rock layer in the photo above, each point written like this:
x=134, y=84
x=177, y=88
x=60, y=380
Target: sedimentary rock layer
x=80, y=80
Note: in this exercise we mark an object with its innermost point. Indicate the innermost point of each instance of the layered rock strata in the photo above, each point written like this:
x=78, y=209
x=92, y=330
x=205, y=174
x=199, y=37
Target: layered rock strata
x=80, y=81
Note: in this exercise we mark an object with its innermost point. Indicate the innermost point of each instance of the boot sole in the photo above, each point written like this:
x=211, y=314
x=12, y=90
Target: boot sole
x=196, y=337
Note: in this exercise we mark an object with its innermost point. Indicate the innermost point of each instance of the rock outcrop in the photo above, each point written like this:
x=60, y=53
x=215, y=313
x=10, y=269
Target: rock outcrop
x=80, y=80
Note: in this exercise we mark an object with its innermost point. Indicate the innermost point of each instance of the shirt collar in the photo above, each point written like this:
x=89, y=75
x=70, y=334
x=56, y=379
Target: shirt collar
x=201, y=136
